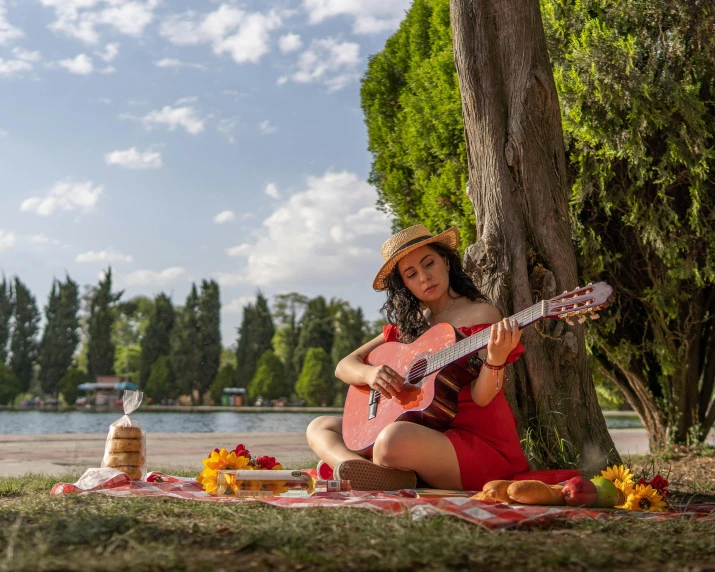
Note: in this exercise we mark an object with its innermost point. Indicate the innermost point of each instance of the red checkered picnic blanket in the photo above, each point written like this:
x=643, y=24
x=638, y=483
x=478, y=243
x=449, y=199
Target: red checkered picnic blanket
x=490, y=515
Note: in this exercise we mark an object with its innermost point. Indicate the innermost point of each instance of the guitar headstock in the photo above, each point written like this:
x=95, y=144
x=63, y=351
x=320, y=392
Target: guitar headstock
x=579, y=302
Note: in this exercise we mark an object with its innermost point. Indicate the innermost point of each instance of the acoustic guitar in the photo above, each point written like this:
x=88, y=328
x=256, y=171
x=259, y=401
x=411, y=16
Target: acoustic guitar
x=433, y=379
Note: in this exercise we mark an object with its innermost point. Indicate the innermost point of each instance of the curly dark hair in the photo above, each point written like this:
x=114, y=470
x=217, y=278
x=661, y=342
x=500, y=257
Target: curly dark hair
x=402, y=308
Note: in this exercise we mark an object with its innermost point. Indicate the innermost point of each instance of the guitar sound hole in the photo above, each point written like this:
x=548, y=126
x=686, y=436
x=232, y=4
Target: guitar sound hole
x=416, y=374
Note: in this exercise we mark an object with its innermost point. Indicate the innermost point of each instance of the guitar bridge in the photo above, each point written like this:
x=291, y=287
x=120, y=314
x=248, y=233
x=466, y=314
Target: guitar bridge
x=372, y=410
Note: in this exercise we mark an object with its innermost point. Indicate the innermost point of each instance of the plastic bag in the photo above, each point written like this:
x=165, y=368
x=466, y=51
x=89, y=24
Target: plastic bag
x=125, y=449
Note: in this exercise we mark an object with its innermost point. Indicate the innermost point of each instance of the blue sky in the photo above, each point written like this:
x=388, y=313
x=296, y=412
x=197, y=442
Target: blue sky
x=178, y=140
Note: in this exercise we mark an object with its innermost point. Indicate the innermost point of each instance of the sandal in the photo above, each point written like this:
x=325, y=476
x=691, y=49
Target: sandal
x=367, y=476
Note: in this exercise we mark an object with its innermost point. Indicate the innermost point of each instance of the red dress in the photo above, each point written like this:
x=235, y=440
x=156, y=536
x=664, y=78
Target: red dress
x=484, y=438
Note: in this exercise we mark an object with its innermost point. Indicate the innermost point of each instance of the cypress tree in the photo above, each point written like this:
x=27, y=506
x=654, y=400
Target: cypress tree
x=6, y=308
x=100, y=347
x=255, y=337
x=225, y=378
x=210, y=334
x=269, y=381
x=350, y=329
x=316, y=383
x=61, y=334
x=23, y=344
x=10, y=386
x=316, y=330
x=157, y=338
x=160, y=383
x=69, y=383
x=186, y=345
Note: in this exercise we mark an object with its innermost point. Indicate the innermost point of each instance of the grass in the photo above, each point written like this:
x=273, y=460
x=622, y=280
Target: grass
x=93, y=532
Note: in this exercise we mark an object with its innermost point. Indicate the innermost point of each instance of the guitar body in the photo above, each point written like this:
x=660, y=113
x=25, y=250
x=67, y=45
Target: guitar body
x=432, y=401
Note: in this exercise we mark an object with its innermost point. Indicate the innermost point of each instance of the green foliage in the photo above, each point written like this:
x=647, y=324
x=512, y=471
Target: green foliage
x=160, y=384
x=156, y=341
x=316, y=383
x=225, y=378
x=61, y=334
x=100, y=347
x=316, y=330
x=637, y=89
x=350, y=333
x=131, y=320
x=287, y=309
x=127, y=361
x=269, y=380
x=410, y=98
x=6, y=309
x=10, y=385
x=186, y=351
x=209, y=333
x=73, y=378
x=255, y=337
x=23, y=343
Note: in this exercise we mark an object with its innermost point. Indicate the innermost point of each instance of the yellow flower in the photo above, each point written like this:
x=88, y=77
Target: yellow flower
x=645, y=498
x=223, y=460
x=624, y=489
x=618, y=473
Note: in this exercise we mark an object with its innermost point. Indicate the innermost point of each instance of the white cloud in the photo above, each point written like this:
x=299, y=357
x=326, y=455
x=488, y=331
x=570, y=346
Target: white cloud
x=80, y=64
x=3, y=133
x=39, y=239
x=290, y=43
x=80, y=18
x=133, y=159
x=173, y=117
x=65, y=195
x=245, y=36
x=224, y=216
x=328, y=62
x=185, y=100
x=266, y=127
x=369, y=16
x=174, y=63
x=8, y=32
x=26, y=55
x=7, y=240
x=330, y=232
x=236, y=305
x=12, y=67
x=272, y=191
x=111, y=51
x=226, y=126
x=151, y=278
x=108, y=255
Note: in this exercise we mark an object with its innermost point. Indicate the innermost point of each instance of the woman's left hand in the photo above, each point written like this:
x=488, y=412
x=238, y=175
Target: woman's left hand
x=505, y=336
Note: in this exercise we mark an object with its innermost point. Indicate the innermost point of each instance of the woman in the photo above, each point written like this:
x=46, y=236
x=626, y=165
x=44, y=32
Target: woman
x=426, y=285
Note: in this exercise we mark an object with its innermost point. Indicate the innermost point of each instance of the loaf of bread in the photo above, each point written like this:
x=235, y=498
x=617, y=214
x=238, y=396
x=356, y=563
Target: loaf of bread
x=125, y=445
x=125, y=433
x=117, y=459
x=535, y=492
x=496, y=491
x=125, y=451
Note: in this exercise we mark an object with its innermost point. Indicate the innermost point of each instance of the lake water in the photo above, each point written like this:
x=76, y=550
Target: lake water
x=47, y=422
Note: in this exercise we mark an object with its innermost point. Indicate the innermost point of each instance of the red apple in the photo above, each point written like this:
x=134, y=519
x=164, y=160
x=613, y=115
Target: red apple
x=579, y=492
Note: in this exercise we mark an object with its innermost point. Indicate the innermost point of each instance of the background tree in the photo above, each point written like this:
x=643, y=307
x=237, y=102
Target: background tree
x=156, y=341
x=72, y=379
x=23, y=343
x=516, y=169
x=287, y=309
x=10, y=386
x=316, y=330
x=61, y=334
x=637, y=87
x=269, y=380
x=350, y=330
x=255, y=337
x=6, y=308
x=100, y=347
x=225, y=378
x=160, y=384
x=316, y=383
x=127, y=362
x=131, y=320
x=209, y=333
x=186, y=354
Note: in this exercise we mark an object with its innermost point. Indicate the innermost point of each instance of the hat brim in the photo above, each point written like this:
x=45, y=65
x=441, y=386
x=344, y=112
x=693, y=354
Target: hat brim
x=449, y=237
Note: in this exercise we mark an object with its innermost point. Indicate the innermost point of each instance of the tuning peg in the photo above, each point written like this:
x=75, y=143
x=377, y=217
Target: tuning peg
x=595, y=316
x=581, y=319
x=569, y=322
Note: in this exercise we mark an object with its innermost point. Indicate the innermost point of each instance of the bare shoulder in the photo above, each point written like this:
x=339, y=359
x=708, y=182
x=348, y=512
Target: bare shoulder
x=481, y=313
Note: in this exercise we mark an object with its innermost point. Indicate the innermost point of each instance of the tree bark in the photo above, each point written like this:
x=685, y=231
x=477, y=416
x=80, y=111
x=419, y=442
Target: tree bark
x=524, y=251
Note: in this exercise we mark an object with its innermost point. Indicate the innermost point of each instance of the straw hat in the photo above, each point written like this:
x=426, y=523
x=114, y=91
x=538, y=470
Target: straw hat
x=405, y=242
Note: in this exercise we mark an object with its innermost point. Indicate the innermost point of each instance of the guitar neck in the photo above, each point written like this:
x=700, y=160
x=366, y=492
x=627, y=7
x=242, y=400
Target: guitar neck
x=473, y=344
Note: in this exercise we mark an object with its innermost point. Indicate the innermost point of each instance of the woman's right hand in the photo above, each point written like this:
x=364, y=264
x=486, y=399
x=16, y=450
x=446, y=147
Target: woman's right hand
x=385, y=380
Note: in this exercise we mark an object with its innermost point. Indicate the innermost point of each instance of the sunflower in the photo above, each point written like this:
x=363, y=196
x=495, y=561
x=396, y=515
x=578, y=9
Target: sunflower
x=618, y=473
x=624, y=489
x=645, y=498
x=220, y=461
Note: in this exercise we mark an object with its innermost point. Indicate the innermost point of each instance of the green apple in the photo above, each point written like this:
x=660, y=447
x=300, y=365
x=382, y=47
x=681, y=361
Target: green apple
x=606, y=493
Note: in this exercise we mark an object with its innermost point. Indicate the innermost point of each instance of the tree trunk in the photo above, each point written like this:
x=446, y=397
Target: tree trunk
x=524, y=250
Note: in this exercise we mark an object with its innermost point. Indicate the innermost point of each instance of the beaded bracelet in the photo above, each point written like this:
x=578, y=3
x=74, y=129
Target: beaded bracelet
x=494, y=367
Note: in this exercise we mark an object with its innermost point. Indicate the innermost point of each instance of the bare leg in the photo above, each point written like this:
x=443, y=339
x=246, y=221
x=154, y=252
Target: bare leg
x=325, y=437
x=408, y=446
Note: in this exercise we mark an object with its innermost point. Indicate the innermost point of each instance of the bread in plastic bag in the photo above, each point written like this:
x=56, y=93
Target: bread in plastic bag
x=125, y=449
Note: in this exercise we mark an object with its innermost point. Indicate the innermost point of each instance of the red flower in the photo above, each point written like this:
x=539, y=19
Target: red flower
x=659, y=484
x=215, y=451
x=241, y=451
x=266, y=463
